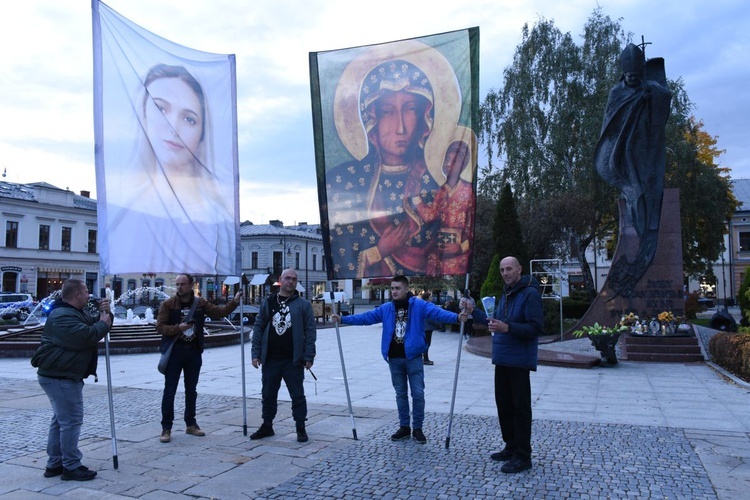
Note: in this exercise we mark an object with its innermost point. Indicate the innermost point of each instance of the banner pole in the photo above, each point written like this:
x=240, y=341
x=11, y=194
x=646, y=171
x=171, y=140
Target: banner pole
x=242, y=356
x=110, y=297
x=343, y=369
x=455, y=377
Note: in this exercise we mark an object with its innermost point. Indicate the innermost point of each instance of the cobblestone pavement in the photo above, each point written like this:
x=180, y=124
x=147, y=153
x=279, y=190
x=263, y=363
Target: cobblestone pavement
x=636, y=430
x=571, y=459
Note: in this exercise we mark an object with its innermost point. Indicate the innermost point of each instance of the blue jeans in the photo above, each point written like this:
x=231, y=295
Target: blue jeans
x=66, y=397
x=186, y=359
x=409, y=371
x=273, y=372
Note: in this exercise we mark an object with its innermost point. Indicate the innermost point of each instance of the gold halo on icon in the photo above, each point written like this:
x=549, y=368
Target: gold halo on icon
x=444, y=86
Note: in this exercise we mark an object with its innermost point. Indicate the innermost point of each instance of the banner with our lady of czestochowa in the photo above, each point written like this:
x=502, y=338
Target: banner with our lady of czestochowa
x=396, y=154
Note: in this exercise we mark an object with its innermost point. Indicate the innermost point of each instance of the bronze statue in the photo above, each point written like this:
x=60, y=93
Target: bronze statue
x=631, y=154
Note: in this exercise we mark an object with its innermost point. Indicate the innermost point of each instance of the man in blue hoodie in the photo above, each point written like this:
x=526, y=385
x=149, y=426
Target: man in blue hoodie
x=516, y=324
x=402, y=345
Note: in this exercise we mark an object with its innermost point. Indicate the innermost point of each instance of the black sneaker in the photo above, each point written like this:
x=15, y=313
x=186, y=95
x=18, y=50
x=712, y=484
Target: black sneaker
x=301, y=433
x=265, y=430
x=502, y=456
x=428, y=362
x=82, y=473
x=401, y=434
x=419, y=436
x=516, y=464
x=53, y=471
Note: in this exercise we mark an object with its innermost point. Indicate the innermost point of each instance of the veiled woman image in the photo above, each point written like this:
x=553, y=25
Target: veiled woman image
x=166, y=210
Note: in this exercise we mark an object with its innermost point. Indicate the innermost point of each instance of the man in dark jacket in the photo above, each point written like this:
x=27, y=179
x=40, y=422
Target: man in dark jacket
x=516, y=324
x=183, y=316
x=284, y=337
x=67, y=355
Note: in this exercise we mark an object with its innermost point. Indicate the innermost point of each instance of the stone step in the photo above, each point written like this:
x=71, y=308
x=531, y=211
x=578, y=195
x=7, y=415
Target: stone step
x=664, y=349
x=665, y=358
x=660, y=340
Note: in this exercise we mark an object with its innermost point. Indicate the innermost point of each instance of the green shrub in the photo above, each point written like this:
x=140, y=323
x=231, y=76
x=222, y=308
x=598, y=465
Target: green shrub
x=493, y=284
x=551, y=317
x=743, y=300
x=574, y=308
x=731, y=351
x=692, y=306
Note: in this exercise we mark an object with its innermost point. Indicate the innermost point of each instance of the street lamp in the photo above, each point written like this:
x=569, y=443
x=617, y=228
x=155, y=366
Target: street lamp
x=285, y=250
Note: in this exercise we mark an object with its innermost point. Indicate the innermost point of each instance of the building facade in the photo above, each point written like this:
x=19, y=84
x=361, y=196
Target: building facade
x=50, y=236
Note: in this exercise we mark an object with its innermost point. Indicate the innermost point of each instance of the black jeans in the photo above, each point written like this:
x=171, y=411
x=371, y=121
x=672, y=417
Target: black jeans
x=185, y=358
x=274, y=371
x=513, y=400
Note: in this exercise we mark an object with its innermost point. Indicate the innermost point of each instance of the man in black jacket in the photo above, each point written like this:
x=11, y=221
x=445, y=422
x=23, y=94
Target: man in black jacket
x=67, y=355
x=284, y=344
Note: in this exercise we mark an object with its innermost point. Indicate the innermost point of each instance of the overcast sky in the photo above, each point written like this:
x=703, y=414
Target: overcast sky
x=46, y=100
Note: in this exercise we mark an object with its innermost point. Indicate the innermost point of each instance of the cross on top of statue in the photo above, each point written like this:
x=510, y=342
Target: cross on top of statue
x=643, y=44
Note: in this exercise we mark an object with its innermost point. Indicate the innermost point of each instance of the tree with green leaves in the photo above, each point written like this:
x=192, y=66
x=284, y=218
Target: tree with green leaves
x=507, y=240
x=493, y=284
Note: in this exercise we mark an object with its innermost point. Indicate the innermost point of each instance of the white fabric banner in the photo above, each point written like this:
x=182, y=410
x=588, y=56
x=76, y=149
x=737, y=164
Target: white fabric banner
x=166, y=153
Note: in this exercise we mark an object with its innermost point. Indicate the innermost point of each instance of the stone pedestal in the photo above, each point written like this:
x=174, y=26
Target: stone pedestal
x=661, y=287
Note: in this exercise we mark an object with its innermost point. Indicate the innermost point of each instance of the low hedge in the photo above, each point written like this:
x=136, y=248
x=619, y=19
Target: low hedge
x=731, y=351
x=573, y=308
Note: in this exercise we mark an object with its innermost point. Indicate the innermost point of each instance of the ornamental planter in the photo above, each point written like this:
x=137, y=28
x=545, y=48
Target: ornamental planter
x=605, y=343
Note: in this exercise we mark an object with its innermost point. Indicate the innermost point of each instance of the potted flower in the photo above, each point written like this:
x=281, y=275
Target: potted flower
x=603, y=339
x=667, y=320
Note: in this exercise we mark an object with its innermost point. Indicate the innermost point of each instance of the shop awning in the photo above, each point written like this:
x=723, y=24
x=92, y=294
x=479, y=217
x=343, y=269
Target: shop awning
x=259, y=279
x=60, y=270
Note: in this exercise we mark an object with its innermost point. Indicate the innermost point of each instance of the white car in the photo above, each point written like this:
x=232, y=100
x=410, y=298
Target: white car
x=15, y=305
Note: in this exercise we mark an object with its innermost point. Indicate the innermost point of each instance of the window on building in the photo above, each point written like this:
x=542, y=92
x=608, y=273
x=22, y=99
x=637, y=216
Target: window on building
x=43, y=237
x=278, y=262
x=296, y=260
x=745, y=242
x=315, y=263
x=254, y=260
x=65, y=240
x=11, y=234
x=92, y=240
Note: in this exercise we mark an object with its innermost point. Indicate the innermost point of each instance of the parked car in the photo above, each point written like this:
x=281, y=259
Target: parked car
x=16, y=305
x=326, y=297
x=249, y=312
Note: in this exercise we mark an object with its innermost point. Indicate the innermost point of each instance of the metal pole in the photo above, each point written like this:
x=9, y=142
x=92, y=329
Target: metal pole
x=346, y=382
x=111, y=405
x=455, y=377
x=242, y=354
x=110, y=298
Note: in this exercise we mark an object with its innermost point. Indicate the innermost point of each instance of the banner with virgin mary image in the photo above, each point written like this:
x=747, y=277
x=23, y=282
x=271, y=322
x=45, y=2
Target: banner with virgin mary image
x=396, y=154
x=167, y=176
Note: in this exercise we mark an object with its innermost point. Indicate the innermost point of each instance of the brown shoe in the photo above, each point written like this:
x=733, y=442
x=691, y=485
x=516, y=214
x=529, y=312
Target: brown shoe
x=194, y=430
x=166, y=436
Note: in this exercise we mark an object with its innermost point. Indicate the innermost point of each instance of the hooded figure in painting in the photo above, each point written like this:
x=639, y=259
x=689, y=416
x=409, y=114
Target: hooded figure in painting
x=631, y=155
x=375, y=234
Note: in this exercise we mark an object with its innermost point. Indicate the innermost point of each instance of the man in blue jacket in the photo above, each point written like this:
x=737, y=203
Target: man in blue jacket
x=516, y=324
x=402, y=345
